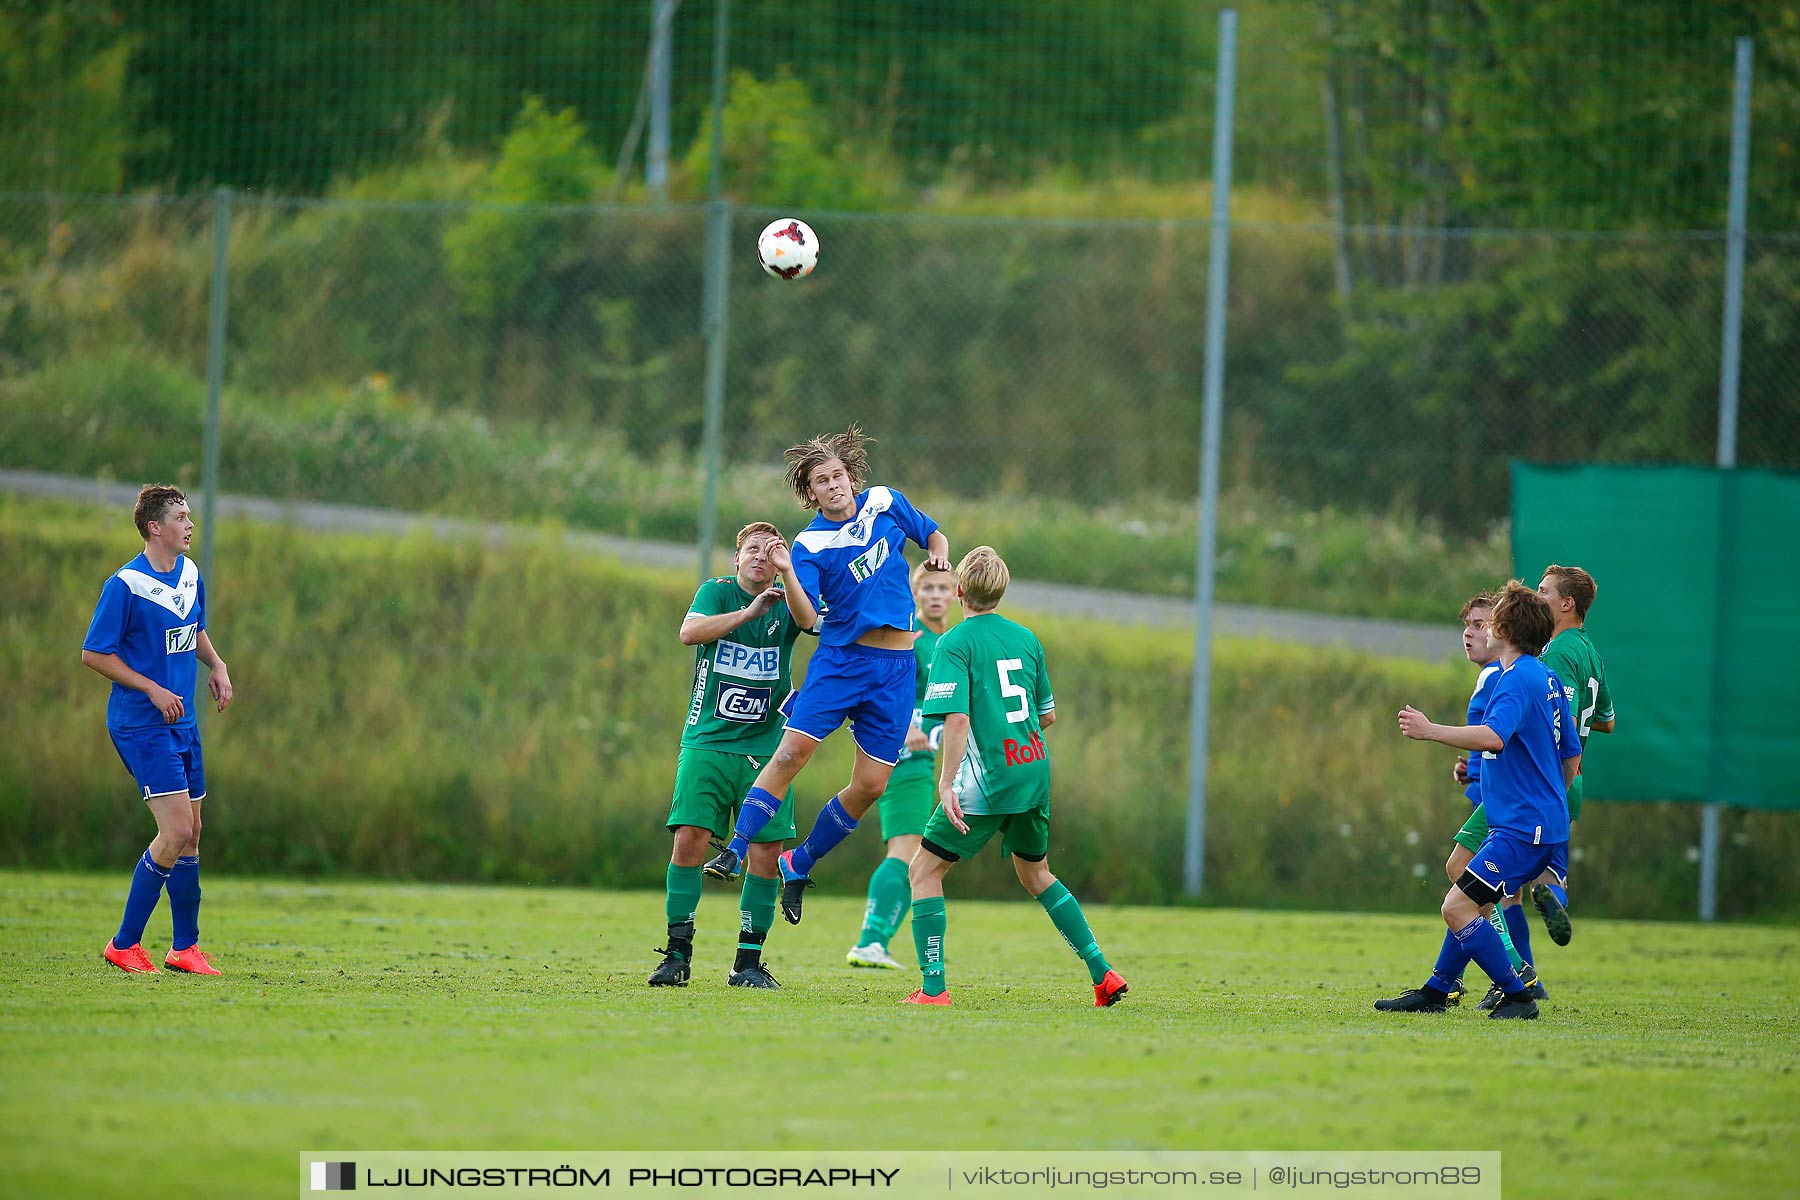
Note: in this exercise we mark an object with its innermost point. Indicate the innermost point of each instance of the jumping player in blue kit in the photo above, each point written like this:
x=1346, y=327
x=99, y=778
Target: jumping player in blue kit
x=1529, y=754
x=850, y=564
x=148, y=632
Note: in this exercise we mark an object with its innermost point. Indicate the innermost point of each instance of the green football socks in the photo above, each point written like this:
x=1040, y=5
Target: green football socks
x=928, y=926
x=890, y=891
x=756, y=907
x=683, y=893
x=1512, y=955
x=1065, y=910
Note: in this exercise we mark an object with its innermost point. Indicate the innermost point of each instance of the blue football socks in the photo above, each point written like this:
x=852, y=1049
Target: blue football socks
x=146, y=889
x=758, y=810
x=184, y=900
x=1481, y=942
x=832, y=827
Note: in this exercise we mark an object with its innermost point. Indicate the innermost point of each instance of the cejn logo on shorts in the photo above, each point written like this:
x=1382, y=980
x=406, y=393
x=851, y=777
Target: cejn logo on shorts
x=182, y=640
x=745, y=705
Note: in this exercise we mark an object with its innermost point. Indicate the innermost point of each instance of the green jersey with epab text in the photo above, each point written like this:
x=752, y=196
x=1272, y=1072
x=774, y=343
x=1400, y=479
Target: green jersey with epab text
x=741, y=680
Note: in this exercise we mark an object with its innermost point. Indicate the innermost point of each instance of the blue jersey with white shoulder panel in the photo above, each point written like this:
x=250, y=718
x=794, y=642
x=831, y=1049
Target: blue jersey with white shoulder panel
x=853, y=570
x=152, y=620
x=1522, y=785
x=1478, y=702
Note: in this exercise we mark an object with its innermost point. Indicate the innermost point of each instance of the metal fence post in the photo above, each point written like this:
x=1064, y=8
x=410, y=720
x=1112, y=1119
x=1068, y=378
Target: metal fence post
x=215, y=384
x=1730, y=349
x=714, y=307
x=1218, y=248
x=656, y=157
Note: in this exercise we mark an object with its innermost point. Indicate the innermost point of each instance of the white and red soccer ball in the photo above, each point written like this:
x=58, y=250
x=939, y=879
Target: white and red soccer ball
x=788, y=249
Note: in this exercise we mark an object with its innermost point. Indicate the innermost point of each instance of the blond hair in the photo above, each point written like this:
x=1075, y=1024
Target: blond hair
x=847, y=447
x=983, y=576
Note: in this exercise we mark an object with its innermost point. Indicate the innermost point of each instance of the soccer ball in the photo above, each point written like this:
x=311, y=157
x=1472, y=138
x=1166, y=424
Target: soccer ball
x=788, y=248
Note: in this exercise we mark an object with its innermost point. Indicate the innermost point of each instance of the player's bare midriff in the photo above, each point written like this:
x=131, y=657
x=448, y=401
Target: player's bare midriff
x=886, y=637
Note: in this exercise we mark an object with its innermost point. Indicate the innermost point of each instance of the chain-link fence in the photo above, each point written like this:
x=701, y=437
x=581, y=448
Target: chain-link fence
x=423, y=356
x=458, y=300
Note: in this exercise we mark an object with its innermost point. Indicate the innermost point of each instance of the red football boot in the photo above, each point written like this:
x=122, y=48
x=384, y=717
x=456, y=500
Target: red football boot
x=193, y=960
x=1110, y=990
x=941, y=1000
x=132, y=960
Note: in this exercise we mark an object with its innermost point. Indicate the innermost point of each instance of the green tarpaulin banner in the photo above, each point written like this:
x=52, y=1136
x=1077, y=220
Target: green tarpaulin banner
x=1696, y=618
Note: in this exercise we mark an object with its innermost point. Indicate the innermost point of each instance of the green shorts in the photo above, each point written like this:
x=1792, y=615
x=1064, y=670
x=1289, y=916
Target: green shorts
x=1474, y=831
x=709, y=786
x=1026, y=834
x=907, y=803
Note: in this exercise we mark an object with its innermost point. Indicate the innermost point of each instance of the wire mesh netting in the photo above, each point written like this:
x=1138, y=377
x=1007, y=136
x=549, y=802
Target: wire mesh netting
x=421, y=355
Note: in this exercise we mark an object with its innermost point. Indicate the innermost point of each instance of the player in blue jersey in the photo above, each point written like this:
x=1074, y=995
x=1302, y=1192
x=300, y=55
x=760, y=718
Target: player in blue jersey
x=1480, y=650
x=850, y=564
x=1512, y=927
x=148, y=631
x=1529, y=754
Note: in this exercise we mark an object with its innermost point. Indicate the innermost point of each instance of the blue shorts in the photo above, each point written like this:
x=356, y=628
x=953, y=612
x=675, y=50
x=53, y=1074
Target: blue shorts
x=164, y=759
x=1507, y=863
x=871, y=688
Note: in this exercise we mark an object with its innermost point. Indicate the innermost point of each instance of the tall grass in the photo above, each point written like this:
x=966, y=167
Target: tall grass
x=425, y=709
x=122, y=415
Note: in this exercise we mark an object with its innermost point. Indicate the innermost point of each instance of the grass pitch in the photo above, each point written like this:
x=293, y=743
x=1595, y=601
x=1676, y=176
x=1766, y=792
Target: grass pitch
x=390, y=1017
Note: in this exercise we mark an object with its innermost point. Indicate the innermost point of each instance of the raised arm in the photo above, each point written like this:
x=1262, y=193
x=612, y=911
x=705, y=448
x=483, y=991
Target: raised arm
x=799, y=603
x=1414, y=724
x=937, y=552
x=699, y=631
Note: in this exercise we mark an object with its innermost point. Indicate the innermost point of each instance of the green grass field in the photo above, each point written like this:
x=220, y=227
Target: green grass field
x=401, y=1016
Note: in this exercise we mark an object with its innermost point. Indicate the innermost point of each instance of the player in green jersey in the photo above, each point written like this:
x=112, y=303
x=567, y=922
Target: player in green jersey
x=989, y=684
x=911, y=790
x=1571, y=654
x=743, y=630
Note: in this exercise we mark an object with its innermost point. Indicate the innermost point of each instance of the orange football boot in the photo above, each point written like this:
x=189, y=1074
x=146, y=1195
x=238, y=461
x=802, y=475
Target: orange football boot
x=193, y=960
x=132, y=960
x=1110, y=990
x=941, y=1000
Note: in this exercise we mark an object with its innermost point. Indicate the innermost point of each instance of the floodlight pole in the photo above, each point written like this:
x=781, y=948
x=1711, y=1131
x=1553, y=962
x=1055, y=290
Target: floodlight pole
x=715, y=304
x=1193, y=871
x=1729, y=358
